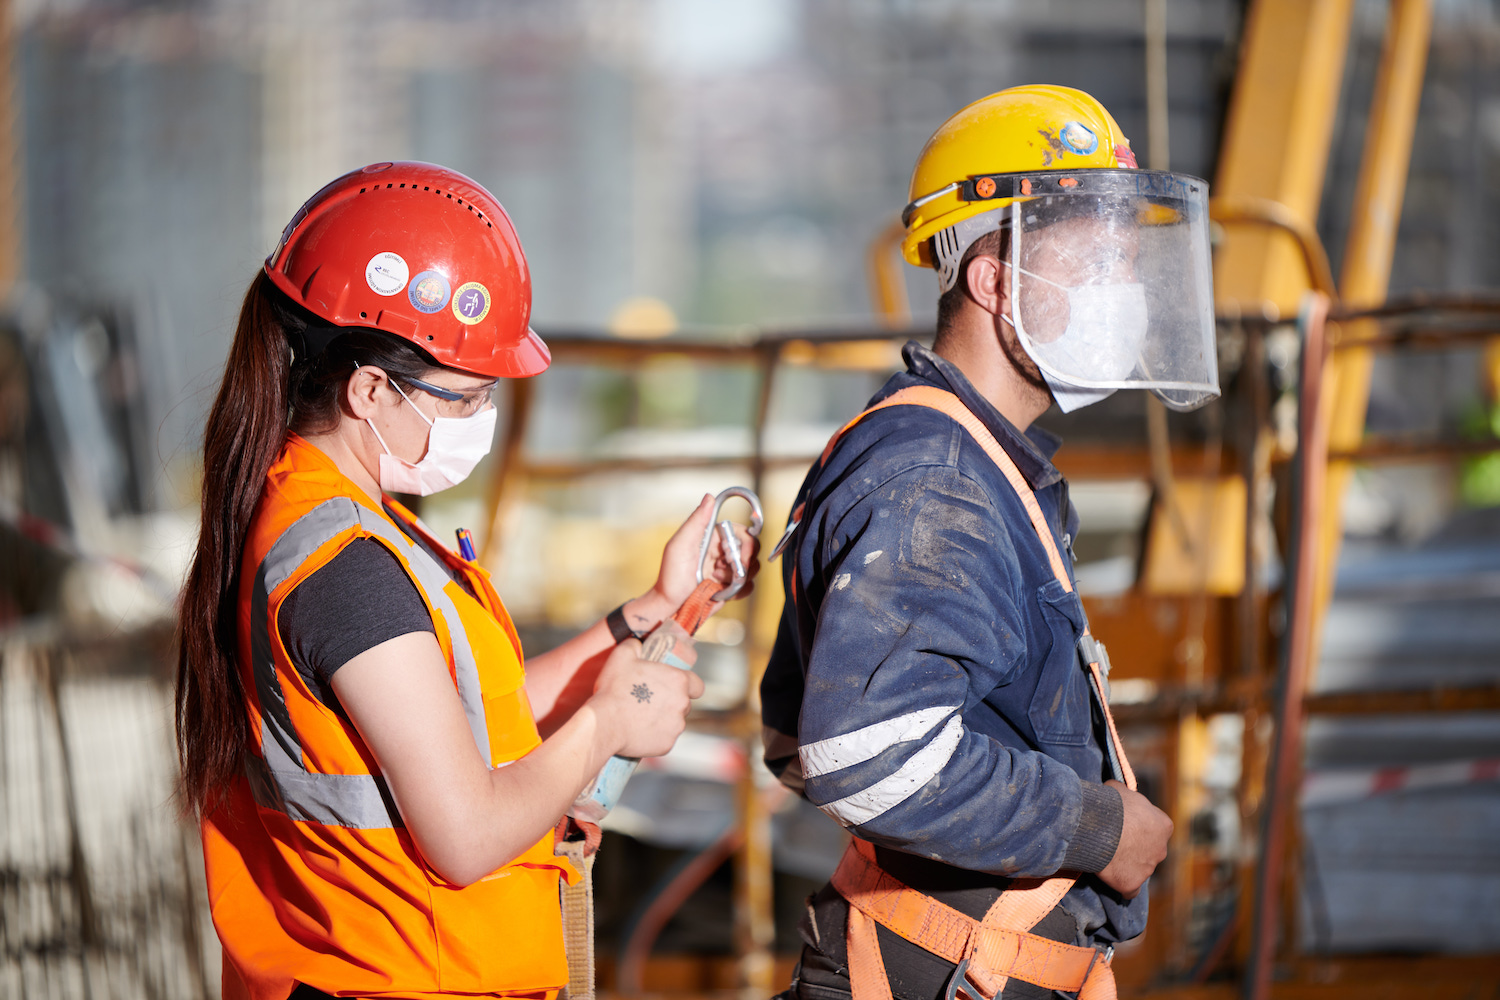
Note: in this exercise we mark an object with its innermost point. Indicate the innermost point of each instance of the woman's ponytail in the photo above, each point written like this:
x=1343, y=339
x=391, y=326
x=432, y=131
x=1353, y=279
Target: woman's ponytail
x=245, y=431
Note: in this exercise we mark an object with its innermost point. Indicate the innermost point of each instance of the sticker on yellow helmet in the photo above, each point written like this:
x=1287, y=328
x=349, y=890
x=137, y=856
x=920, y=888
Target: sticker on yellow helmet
x=1079, y=138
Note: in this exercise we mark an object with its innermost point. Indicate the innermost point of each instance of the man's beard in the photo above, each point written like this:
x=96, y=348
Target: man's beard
x=1011, y=345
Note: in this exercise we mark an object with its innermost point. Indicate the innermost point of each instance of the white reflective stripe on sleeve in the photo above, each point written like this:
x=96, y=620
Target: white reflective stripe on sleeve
x=924, y=765
x=839, y=752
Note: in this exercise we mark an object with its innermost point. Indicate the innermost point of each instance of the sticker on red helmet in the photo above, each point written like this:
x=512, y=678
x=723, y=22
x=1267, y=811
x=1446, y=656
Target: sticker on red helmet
x=386, y=273
x=471, y=302
x=429, y=291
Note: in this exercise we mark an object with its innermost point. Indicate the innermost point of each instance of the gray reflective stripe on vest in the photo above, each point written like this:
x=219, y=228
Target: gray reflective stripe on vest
x=432, y=578
x=280, y=781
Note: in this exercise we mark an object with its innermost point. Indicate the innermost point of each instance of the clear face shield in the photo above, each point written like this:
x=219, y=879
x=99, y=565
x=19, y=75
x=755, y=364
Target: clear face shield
x=1111, y=284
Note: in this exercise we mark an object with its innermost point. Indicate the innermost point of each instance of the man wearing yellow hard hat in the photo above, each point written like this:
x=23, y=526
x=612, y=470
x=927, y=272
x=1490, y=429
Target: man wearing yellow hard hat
x=934, y=686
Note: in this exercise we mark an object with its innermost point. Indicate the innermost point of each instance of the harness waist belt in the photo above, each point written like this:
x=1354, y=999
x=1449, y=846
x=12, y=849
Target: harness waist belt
x=993, y=952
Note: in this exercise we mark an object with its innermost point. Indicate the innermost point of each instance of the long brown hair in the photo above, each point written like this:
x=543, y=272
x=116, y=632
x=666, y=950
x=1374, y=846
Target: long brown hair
x=272, y=383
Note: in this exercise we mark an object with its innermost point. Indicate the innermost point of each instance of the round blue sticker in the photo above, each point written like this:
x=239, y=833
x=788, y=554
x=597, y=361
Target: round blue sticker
x=1079, y=138
x=429, y=291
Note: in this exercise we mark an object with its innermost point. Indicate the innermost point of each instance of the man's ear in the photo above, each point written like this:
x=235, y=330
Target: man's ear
x=984, y=280
x=365, y=391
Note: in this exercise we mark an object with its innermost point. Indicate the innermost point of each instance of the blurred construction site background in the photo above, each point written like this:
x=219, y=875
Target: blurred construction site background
x=1300, y=584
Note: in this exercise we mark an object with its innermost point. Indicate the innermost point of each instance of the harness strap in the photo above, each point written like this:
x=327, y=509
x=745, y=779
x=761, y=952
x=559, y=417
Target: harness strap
x=867, y=976
x=993, y=953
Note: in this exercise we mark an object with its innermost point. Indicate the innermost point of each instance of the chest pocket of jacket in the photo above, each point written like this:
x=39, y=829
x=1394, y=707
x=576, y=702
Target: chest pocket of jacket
x=1060, y=710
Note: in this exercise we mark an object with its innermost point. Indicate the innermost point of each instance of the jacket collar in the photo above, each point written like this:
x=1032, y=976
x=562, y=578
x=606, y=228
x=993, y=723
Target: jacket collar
x=1032, y=451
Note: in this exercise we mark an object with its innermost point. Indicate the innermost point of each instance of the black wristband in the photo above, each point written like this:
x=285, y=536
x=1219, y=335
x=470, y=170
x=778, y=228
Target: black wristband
x=618, y=626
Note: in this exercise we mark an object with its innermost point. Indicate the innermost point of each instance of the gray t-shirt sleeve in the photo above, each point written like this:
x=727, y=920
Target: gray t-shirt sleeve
x=357, y=600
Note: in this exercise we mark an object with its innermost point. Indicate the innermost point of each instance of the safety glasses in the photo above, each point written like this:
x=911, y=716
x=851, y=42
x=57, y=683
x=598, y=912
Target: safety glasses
x=469, y=401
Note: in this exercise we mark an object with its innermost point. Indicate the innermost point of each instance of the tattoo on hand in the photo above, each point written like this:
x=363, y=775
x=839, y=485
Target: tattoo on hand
x=641, y=692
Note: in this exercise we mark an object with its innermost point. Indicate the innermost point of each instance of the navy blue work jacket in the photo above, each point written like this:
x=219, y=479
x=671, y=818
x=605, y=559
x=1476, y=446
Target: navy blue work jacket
x=925, y=688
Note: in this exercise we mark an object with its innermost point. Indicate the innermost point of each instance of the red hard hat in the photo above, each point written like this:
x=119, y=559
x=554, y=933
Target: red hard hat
x=420, y=252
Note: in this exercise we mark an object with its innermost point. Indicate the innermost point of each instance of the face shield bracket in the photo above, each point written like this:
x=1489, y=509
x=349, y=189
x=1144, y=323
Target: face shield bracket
x=1094, y=180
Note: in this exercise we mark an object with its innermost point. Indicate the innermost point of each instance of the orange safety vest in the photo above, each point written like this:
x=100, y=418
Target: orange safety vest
x=312, y=876
x=987, y=952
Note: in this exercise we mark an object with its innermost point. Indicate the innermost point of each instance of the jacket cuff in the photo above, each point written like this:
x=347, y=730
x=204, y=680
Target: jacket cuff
x=1099, y=825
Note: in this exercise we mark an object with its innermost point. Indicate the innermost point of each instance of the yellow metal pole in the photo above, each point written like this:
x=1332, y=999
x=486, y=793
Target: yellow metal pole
x=1276, y=140
x=1371, y=246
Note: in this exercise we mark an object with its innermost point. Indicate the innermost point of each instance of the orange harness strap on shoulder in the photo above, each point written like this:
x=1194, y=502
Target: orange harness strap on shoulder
x=990, y=951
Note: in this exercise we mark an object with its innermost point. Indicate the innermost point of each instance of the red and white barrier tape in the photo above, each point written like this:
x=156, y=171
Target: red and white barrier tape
x=1324, y=788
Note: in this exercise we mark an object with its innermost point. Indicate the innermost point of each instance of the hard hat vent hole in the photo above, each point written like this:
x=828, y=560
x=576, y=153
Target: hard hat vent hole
x=361, y=315
x=361, y=190
x=429, y=336
x=390, y=185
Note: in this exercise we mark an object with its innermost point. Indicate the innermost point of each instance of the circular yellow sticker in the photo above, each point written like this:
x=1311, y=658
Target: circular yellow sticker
x=471, y=302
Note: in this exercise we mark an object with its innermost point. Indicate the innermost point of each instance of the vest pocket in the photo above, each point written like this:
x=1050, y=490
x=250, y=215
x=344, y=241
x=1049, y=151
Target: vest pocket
x=1059, y=710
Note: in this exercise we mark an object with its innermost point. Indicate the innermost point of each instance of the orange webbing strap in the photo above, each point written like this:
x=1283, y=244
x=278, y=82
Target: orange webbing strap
x=1028, y=900
x=867, y=978
x=1021, y=908
x=993, y=953
x=1126, y=771
x=699, y=605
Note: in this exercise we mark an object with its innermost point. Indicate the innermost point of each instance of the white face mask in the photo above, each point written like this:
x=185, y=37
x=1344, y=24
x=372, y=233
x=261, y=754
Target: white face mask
x=1102, y=342
x=454, y=446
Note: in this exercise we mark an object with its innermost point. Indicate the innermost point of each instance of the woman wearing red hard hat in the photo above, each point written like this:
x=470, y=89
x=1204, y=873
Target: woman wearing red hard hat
x=376, y=773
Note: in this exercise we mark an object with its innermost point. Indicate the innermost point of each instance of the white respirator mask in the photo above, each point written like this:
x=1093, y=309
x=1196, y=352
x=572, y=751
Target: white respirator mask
x=454, y=446
x=1105, y=332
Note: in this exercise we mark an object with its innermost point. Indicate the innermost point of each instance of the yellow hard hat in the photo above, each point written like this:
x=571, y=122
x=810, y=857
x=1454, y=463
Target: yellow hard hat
x=1036, y=127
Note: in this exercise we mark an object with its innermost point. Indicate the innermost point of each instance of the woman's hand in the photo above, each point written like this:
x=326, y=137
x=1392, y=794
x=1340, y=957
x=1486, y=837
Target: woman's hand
x=643, y=705
x=560, y=680
x=679, y=560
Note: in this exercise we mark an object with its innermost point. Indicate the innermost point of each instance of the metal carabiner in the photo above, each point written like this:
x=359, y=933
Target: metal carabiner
x=731, y=541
